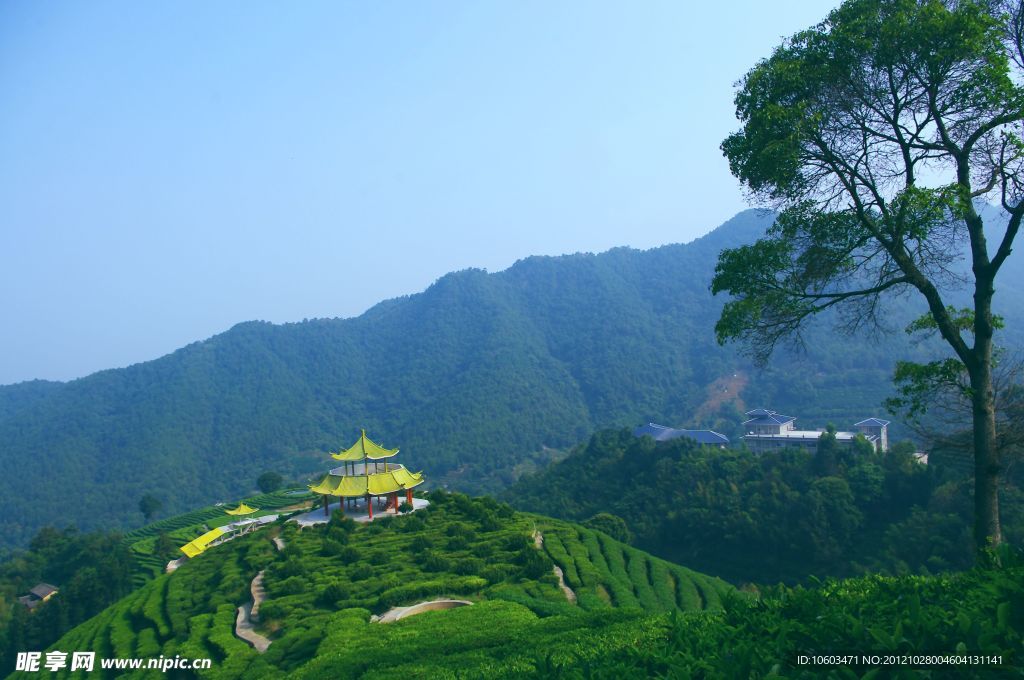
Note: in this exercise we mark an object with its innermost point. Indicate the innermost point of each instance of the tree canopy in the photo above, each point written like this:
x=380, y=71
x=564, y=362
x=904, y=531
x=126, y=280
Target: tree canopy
x=875, y=133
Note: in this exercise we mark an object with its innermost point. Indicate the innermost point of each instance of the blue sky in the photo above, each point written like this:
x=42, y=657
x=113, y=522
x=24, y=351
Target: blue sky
x=170, y=169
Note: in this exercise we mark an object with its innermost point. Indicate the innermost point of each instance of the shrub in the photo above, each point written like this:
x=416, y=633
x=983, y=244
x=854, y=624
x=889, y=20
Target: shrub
x=420, y=544
x=332, y=548
x=496, y=573
x=330, y=595
x=434, y=562
x=348, y=555
x=412, y=524
x=457, y=543
x=468, y=566
x=361, y=573
x=613, y=525
x=534, y=563
x=291, y=586
x=405, y=507
x=341, y=521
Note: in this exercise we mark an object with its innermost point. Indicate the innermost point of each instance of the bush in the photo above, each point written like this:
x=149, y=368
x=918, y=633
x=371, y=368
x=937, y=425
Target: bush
x=332, y=548
x=534, y=563
x=348, y=555
x=496, y=573
x=420, y=544
x=434, y=562
x=340, y=520
x=405, y=507
x=361, y=573
x=469, y=566
x=457, y=543
x=412, y=524
x=331, y=595
x=613, y=525
x=291, y=586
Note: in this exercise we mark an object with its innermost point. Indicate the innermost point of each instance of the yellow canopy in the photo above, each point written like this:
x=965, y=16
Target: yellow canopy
x=198, y=545
x=364, y=448
x=242, y=509
x=352, y=486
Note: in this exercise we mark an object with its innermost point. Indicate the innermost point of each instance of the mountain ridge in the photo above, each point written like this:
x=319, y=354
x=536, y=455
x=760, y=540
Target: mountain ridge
x=474, y=377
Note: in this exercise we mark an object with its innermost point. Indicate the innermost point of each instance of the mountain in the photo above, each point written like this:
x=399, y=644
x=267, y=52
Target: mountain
x=476, y=378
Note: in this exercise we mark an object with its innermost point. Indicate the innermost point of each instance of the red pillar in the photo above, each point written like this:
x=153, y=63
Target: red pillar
x=369, y=505
x=408, y=496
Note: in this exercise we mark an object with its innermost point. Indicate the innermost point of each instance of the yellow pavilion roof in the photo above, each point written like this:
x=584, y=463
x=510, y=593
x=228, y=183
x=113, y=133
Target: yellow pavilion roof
x=364, y=448
x=198, y=545
x=377, y=484
x=242, y=509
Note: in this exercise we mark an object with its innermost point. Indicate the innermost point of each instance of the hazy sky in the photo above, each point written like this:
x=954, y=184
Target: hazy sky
x=170, y=169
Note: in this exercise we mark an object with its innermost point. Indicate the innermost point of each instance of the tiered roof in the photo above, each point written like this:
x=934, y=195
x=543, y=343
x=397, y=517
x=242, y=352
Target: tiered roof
x=364, y=448
x=342, y=482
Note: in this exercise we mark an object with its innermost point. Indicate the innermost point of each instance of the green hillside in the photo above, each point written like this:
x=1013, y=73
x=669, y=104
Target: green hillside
x=478, y=378
x=325, y=584
x=635, y=614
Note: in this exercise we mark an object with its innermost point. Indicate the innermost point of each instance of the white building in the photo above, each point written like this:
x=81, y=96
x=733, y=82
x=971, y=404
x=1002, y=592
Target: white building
x=768, y=430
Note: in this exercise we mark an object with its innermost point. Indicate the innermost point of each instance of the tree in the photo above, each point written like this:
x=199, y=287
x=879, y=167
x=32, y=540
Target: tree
x=269, y=482
x=149, y=505
x=874, y=133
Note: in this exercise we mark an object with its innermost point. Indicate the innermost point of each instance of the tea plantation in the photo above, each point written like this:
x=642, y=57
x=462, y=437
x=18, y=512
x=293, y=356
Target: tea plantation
x=634, y=615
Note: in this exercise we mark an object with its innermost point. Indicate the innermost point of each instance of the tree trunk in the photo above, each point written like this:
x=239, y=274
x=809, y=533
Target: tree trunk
x=987, y=532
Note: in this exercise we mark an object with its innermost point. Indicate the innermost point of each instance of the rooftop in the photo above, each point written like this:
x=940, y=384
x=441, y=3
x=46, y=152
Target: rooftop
x=762, y=416
x=662, y=433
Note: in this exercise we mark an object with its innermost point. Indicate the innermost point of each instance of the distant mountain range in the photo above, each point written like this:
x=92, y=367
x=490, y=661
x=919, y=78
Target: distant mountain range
x=478, y=378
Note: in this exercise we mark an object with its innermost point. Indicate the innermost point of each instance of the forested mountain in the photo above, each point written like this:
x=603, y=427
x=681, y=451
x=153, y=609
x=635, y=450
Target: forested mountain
x=472, y=378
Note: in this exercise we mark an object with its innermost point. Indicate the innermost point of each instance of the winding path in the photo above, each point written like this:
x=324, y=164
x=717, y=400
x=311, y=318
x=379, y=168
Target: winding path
x=538, y=542
x=249, y=613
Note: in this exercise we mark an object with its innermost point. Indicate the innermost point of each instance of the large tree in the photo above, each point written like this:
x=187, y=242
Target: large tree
x=876, y=134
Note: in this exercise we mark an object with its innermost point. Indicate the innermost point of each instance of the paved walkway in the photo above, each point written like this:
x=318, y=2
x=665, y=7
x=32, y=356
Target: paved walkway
x=314, y=517
x=396, y=613
x=249, y=613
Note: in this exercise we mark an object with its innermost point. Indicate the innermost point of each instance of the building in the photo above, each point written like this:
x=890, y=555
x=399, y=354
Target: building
x=660, y=433
x=768, y=430
x=363, y=477
x=38, y=595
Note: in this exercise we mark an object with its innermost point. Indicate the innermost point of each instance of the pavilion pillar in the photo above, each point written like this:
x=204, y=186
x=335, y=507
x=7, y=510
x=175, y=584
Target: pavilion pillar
x=327, y=505
x=394, y=502
x=408, y=496
x=369, y=505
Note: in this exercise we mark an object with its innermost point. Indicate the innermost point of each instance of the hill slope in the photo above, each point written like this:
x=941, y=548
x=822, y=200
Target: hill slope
x=521, y=626
x=471, y=377
x=322, y=588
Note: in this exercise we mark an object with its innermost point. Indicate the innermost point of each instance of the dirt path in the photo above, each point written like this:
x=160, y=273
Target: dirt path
x=538, y=542
x=279, y=543
x=249, y=613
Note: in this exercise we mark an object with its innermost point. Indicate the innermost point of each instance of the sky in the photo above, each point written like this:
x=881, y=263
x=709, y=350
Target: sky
x=170, y=169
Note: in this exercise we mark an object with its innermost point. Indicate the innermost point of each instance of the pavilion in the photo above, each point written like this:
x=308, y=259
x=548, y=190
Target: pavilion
x=362, y=474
